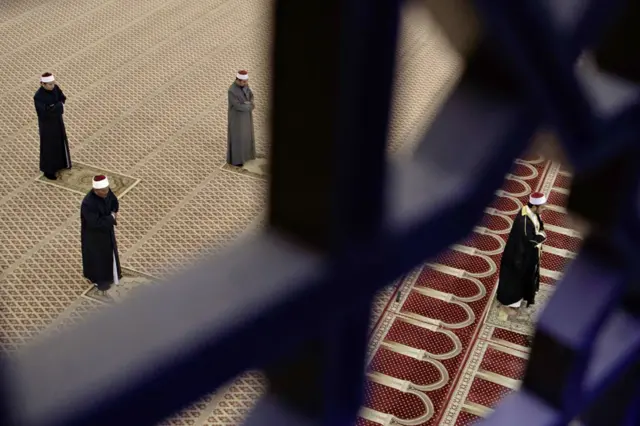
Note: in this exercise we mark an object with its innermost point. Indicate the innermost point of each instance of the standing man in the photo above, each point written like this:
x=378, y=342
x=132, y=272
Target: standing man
x=98, y=217
x=520, y=264
x=54, y=147
x=241, y=145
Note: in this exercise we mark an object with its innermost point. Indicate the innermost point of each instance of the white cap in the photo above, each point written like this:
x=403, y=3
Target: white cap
x=47, y=79
x=242, y=75
x=537, y=198
x=100, y=182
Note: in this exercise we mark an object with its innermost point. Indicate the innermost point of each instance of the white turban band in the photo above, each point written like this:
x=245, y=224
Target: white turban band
x=537, y=199
x=48, y=79
x=101, y=184
x=242, y=76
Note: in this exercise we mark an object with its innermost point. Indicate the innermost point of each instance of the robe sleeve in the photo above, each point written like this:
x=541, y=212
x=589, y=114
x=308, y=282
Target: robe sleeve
x=41, y=108
x=253, y=105
x=94, y=220
x=58, y=109
x=63, y=98
x=116, y=203
x=530, y=233
x=235, y=103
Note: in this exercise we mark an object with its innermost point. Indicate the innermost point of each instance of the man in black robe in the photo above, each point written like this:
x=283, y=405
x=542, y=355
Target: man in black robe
x=98, y=217
x=54, y=147
x=241, y=143
x=520, y=264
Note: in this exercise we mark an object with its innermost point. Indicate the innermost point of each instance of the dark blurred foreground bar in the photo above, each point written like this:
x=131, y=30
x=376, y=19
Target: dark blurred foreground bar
x=333, y=70
x=141, y=360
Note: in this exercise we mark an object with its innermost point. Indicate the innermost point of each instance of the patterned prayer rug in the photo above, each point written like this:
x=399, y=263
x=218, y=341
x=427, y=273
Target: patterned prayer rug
x=258, y=168
x=129, y=284
x=80, y=177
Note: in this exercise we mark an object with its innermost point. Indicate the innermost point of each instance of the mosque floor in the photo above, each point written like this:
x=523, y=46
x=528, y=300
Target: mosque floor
x=146, y=86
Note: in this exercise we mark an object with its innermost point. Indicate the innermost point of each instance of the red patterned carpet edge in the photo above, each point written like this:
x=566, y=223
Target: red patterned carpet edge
x=420, y=342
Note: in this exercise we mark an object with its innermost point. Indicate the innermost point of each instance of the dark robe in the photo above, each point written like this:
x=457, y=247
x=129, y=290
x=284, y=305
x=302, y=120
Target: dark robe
x=98, y=237
x=520, y=264
x=54, y=147
x=241, y=144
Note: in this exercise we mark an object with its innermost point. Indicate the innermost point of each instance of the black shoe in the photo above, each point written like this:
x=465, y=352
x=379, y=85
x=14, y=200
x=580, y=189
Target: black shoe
x=50, y=176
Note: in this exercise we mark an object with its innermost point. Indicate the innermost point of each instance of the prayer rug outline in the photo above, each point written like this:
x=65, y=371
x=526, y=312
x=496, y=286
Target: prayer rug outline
x=522, y=324
x=78, y=179
x=131, y=280
x=257, y=168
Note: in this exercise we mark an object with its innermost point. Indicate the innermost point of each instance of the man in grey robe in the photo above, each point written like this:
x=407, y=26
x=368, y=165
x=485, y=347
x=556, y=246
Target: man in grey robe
x=241, y=144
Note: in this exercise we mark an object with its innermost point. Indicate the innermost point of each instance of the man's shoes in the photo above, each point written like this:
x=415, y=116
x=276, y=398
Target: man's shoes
x=50, y=176
x=511, y=312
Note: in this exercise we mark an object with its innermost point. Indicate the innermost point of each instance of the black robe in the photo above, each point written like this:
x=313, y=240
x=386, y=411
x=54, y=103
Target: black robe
x=99, y=239
x=54, y=147
x=520, y=263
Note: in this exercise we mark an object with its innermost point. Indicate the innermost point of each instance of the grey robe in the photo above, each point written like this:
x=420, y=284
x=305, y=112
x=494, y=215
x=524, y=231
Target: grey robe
x=241, y=144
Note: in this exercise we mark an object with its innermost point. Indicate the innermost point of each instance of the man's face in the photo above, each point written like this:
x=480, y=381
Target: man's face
x=242, y=83
x=49, y=86
x=538, y=209
x=102, y=193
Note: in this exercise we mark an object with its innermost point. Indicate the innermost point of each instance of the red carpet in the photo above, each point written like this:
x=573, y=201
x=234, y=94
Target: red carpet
x=442, y=354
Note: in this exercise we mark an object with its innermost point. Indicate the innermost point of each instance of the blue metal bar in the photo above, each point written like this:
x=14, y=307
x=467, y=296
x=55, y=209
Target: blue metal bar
x=620, y=389
x=327, y=189
x=612, y=220
x=570, y=343
x=575, y=24
x=526, y=409
x=348, y=337
x=547, y=73
x=612, y=52
x=161, y=344
x=612, y=354
x=271, y=412
x=300, y=192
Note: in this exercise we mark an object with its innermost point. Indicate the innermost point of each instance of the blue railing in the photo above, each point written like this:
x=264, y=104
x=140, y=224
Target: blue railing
x=344, y=221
